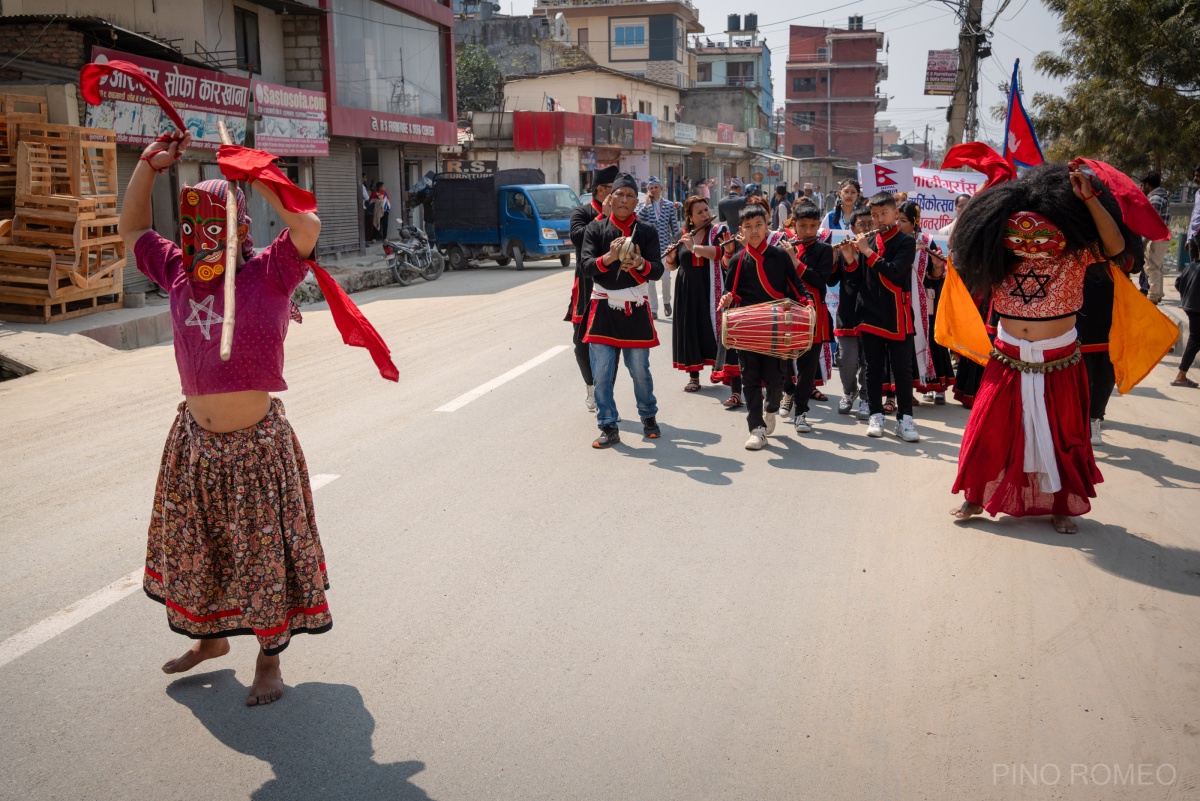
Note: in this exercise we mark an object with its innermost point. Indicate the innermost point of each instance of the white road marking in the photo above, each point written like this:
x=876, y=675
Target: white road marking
x=42, y=632
x=483, y=389
x=322, y=479
x=22, y=643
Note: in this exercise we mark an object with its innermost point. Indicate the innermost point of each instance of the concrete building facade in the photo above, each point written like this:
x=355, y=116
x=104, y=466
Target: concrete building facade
x=742, y=61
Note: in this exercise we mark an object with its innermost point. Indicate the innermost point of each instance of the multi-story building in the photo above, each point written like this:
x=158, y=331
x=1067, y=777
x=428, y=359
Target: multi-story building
x=742, y=61
x=377, y=75
x=647, y=38
x=832, y=80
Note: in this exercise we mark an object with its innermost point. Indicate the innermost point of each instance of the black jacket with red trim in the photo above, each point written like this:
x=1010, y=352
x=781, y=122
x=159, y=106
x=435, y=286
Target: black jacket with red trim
x=849, y=313
x=885, y=289
x=759, y=275
x=817, y=271
x=630, y=326
x=581, y=290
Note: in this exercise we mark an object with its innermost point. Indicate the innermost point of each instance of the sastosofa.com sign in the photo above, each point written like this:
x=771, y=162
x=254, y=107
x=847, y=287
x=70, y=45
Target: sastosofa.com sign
x=202, y=97
x=293, y=122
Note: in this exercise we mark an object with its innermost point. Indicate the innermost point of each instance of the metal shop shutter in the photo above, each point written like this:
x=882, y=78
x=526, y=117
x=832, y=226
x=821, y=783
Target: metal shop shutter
x=336, y=184
x=132, y=279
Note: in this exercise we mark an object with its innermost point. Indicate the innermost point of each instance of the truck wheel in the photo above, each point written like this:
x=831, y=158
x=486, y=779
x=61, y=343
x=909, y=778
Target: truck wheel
x=503, y=260
x=457, y=257
x=565, y=260
x=518, y=257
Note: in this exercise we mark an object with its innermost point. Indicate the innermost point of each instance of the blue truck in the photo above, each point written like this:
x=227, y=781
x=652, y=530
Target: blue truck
x=510, y=216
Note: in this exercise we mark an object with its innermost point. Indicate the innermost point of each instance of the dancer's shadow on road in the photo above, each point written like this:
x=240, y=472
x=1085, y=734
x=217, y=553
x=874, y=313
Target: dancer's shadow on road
x=789, y=453
x=1111, y=548
x=677, y=451
x=317, y=739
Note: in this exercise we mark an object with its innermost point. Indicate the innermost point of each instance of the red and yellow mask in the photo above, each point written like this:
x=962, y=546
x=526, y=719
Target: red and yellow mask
x=1028, y=235
x=202, y=233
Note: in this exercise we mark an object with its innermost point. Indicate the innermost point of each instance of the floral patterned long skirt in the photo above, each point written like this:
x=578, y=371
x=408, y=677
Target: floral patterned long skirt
x=233, y=545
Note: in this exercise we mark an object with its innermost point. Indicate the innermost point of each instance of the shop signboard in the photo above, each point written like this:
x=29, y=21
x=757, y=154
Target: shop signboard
x=201, y=96
x=941, y=72
x=292, y=122
x=724, y=133
x=613, y=132
x=685, y=133
x=464, y=169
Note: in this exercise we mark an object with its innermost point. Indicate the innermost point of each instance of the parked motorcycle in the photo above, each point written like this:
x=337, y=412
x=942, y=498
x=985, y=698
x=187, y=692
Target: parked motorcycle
x=410, y=255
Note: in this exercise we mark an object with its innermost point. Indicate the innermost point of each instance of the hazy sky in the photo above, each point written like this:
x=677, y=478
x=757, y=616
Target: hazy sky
x=912, y=28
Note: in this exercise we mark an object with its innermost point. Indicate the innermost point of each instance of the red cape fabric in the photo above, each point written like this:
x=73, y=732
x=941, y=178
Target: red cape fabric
x=239, y=163
x=89, y=85
x=1139, y=215
x=355, y=329
x=978, y=156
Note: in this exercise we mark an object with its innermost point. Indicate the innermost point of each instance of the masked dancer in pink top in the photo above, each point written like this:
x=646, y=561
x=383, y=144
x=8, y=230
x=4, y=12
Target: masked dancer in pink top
x=233, y=545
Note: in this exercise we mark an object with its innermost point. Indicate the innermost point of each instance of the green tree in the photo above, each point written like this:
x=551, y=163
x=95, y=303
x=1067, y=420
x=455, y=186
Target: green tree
x=478, y=80
x=1134, y=93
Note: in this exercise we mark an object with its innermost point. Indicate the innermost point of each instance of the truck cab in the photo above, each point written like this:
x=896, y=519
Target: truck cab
x=537, y=221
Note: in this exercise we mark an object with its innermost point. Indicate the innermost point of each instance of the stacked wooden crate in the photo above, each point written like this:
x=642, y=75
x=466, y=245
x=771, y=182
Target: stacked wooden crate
x=14, y=109
x=63, y=256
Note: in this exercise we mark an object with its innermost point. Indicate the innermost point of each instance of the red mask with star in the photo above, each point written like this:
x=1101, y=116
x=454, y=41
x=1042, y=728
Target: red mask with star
x=1028, y=235
x=202, y=234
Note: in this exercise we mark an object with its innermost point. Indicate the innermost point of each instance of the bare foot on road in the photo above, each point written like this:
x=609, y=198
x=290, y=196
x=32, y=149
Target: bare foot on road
x=1064, y=525
x=202, y=650
x=967, y=510
x=268, y=681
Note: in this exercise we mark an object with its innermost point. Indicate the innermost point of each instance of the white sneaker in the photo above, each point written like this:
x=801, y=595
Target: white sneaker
x=907, y=430
x=769, y=418
x=845, y=404
x=930, y=397
x=590, y=400
x=1097, y=439
x=758, y=439
x=875, y=426
x=802, y=425
x=862, y=410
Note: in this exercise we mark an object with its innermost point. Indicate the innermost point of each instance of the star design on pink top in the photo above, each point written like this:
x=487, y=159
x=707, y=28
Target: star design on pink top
x=1030, y=286
x=203, y=315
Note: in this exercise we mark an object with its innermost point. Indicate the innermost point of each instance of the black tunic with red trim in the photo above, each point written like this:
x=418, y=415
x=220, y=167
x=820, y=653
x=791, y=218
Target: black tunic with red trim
x=761, y=274
x=630, y=326
x=581, y=290
x=1094, y=318
x=849, y=314
x=885, y=290
x=817, y=271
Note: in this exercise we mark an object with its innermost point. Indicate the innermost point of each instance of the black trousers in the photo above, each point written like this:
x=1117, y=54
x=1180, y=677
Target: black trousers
x=879, y=352
x=807, y=366
x=1193, y=342
x=760, y=371
x=1101, y=380
x=582, y=354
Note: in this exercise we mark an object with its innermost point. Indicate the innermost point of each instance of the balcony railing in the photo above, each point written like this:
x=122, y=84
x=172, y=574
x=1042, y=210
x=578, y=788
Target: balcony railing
x=744, y=81
x=569, y=3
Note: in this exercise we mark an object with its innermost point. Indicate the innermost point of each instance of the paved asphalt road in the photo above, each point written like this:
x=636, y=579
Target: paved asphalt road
x=518, y=616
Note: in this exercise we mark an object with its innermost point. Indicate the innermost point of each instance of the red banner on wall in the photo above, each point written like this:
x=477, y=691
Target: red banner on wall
x=201, y=96
x=724, y=133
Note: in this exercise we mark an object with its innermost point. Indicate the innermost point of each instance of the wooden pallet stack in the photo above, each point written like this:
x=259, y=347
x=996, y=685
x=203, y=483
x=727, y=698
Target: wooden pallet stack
x=62, y=256
x=14, y=109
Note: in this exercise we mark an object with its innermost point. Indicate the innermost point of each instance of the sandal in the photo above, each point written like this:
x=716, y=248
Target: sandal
x=1187, y=382
x=734, y=401
x=818, y=395
x=889, y=406
x=692, y=386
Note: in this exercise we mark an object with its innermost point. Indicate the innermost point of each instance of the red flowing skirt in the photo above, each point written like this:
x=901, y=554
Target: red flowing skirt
x=991, y=462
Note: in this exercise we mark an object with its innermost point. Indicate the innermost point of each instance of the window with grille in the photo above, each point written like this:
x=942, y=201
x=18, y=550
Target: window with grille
x=629, y=36
x=704, y=72
x=804, y=151
x=804, y=84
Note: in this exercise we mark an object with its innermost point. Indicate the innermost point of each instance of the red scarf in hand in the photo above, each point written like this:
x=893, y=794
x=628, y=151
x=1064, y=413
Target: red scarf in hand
x=239, y=163
x=980, y=157
x=91, y=74
x=1138, y=213
x=355, y=329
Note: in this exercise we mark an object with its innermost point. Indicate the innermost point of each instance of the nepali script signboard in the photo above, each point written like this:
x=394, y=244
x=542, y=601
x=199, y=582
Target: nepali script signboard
x=202, y=97
x=941, y=71
x=934, y=191
x=294, y=122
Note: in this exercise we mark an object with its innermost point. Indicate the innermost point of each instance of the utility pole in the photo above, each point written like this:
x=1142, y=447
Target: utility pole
x=963, y=114
x=927, y=156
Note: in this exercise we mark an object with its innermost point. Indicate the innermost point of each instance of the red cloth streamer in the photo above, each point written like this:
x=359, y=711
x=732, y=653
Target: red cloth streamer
x=1136, y=210
x=239, y=163
x=978, y=156
x=355, y=329
x=89, y=85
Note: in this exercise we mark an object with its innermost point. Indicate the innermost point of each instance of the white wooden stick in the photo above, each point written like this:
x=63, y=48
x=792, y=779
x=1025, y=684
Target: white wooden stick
x=231, y=255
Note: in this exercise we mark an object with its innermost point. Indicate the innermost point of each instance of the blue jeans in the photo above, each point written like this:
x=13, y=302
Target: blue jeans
x=604, y=371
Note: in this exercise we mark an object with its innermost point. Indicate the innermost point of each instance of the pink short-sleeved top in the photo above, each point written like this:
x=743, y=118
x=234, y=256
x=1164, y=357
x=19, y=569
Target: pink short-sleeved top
x=1044, y=289
x=263, y=293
